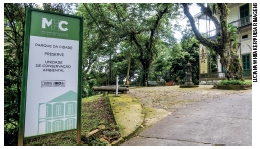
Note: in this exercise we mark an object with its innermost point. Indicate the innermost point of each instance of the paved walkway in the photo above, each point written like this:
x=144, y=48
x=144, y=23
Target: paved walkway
x=216, y=121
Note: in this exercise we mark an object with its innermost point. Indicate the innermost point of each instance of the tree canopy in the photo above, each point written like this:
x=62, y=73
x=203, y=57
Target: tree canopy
x=134, y=41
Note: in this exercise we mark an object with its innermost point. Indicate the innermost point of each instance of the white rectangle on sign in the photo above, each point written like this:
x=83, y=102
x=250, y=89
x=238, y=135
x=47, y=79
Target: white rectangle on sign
x=52, y=85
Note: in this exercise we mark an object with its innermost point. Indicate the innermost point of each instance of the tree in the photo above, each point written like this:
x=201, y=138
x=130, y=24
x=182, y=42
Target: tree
x=100, y=35
x=150, y=33
x=139, y=23
x=226, y=45
x=66, y=8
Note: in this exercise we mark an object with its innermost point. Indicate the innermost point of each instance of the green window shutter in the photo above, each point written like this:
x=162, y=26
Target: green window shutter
x=70, y=124
x=48, y=110
x=223, y=70
x=246, y=65
x=70, y=108
x=58, y=109
x=246, y=61
x=57, y=126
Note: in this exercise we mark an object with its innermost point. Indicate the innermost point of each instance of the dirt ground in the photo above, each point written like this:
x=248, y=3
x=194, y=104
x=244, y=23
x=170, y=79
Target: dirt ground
x=162, y=101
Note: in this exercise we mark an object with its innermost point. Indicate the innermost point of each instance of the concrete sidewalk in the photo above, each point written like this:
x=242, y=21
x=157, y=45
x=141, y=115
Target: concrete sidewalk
x=218, y=121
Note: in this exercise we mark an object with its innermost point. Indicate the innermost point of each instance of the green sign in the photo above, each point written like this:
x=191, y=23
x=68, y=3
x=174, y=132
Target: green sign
x=54, y=26
x=51, y=89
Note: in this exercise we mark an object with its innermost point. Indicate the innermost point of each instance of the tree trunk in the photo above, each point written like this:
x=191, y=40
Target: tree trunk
x=225, y=61
x=129, y=64
x=110, y=88
x=232, y=64
x=146, y=68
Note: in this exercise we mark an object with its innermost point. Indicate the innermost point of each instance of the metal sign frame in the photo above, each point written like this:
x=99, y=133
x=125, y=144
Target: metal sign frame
x=25, y=73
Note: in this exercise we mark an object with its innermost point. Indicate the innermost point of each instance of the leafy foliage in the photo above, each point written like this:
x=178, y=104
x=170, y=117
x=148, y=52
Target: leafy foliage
x=14, y=23
x=234, y=82
x=120, y=24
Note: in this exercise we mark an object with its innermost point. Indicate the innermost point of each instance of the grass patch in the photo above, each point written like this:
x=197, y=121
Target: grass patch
x=94, y=110
x=92, y=98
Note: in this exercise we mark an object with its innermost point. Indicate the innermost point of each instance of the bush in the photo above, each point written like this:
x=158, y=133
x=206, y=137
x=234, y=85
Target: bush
x=234, y=82
x=88, y=88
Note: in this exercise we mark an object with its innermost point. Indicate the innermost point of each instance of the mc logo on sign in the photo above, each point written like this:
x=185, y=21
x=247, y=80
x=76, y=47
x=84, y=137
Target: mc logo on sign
x=51, y=22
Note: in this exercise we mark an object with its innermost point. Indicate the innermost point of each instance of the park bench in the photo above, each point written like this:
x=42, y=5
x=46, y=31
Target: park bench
x=151, y=83
x=155, y=83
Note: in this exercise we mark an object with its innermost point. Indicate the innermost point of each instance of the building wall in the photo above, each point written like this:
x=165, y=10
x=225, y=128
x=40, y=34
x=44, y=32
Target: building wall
x=233, y=14
x=246, y=47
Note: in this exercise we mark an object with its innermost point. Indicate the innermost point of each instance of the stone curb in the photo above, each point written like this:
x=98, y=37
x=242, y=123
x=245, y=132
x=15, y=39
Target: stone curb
x=122, y=139
x=234, y=87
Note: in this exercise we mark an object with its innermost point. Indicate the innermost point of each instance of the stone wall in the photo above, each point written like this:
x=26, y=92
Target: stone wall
x=209, y=82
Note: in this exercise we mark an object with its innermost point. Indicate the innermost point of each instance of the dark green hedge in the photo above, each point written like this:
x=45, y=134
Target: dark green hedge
x=234, y=82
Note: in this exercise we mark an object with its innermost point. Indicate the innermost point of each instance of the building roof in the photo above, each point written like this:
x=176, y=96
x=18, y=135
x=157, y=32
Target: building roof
x=69, y=96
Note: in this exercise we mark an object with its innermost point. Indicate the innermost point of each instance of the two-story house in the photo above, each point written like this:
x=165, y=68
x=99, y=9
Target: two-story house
x=240, y=16
x=59, y=114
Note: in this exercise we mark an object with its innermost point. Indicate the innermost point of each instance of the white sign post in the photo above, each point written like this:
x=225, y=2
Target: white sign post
x=116, y=85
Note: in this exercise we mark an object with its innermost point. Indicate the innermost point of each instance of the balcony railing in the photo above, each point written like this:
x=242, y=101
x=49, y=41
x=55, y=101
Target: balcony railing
x=242, y=22
x=237, y=24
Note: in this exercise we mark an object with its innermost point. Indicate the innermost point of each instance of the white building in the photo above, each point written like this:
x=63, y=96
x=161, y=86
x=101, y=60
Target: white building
x=240, y=16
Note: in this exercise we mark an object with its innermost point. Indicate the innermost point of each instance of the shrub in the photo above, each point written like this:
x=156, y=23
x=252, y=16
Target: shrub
x=89, y=91
x=234, y=82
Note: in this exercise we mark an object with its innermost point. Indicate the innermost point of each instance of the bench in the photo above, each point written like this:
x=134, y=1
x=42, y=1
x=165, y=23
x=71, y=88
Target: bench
x=155, y=83
x=151, y=83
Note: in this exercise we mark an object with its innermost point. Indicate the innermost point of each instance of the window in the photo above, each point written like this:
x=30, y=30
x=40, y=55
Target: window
x=69, y=124
x=244, y=14
x=244, y=37
x=58, y=109
x=70, y=108
x=57, y=126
